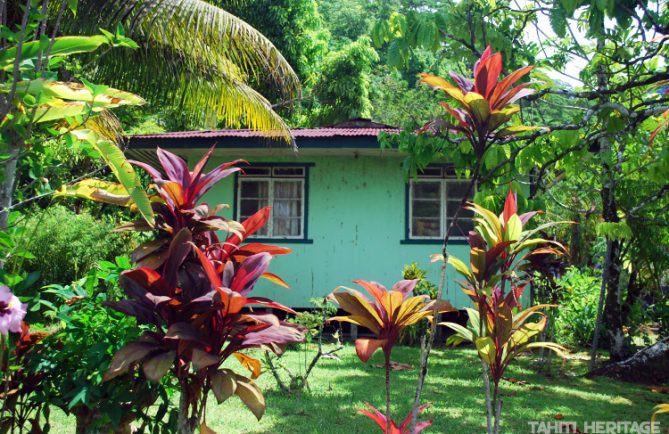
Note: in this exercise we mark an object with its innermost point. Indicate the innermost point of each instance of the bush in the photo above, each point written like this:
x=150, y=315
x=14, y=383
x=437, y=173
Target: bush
x=413, y=334
x=72, y=360
x=579, y=297
x=63, y=245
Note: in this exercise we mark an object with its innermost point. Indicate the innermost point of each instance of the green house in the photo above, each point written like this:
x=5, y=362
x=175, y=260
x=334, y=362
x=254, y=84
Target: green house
x=340, y=202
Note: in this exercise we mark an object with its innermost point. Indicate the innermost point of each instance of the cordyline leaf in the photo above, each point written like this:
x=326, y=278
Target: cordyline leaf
x=126, y=356
x=486, y=349
x=251, y=396
x=202, y=359
x=510, y=206
x=478, y=107
x=364, y=348
x=381, y=420
x=556, y=348
x=156, y=366
x=275, y=279
x=462, y=332
x=658, y=409
x=249, y=272
x=460, y=267
x=361, y=311
x=249, y=363
x=223, y=384
x=507, y=82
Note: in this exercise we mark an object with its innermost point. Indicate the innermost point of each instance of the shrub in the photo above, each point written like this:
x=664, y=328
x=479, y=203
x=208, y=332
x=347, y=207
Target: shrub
x=63, y=245
x=579, y=297
x=413, y=334
x=71, y=361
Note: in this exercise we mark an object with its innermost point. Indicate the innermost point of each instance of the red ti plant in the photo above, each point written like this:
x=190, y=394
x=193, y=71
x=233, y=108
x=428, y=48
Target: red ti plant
x=193, y=292
x=385, y=315
x=486, y=104
x=494, y=281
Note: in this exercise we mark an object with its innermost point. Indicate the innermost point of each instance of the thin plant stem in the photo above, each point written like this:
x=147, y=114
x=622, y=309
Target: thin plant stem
x=387, y=366
x=440, y=290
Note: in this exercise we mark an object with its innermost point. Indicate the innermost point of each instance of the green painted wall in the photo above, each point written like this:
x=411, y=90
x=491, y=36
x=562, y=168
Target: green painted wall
x=356, y=213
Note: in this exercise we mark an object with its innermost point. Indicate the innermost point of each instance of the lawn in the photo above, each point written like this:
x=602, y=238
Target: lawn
x=338, y=388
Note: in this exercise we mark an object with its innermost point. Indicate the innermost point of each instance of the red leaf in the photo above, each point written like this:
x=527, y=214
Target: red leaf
x=510, y=205
x=504, y=85
x=209, y=269
x=364, y=348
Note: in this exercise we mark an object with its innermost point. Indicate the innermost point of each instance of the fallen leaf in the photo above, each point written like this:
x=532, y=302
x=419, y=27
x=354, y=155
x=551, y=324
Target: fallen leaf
x=516, y=381
x=394, y=366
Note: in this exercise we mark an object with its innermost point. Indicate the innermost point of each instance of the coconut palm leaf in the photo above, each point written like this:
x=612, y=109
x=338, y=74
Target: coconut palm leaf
x=193, y=56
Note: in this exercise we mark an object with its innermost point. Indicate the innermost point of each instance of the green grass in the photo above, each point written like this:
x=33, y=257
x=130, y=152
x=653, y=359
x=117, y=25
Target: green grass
x=339, y=388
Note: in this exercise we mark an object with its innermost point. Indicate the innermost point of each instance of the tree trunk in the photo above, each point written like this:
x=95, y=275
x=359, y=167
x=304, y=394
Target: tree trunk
x=8, y=181
x=185, y=424
x=649, y=366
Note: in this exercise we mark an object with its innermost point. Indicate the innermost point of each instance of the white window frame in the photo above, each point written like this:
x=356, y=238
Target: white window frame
x=443, y=181
x=271, y=179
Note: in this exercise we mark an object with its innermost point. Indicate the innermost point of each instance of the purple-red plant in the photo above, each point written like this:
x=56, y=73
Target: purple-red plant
x=385, y=315
x=194, y=292
x=382, y=421
x=485, y=103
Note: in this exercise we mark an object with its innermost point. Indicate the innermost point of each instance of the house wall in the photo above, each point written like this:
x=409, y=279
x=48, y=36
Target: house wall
x=356, y=221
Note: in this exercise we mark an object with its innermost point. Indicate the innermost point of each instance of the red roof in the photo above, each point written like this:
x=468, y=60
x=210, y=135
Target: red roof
x=359, y=127
x=297, y=133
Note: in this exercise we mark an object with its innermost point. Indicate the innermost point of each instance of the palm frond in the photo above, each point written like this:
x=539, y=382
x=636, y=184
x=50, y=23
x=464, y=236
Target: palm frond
x=194, y=56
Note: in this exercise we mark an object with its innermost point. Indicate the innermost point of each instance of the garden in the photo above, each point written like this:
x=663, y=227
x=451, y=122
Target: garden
x=532, y=138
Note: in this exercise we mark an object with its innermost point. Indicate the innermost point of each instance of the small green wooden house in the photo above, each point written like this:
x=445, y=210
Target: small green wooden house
x=340, y=202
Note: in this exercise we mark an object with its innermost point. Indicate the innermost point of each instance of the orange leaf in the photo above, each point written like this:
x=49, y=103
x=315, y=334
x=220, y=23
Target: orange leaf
x=275, y=279
x=249, y=363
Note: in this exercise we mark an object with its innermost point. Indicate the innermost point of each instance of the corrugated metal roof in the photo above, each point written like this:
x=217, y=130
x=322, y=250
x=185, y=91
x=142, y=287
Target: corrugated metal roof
x=297, y=133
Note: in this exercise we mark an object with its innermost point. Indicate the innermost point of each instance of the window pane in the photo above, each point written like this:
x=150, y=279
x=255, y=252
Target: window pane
x=287, y=208
x=256, y=171
x=289, y=171
x=426, y=208
x=426, y=190
x=462, y=227
x=452, y=207
x=431, y=172
x=457, y=189
x=286, y=227
x=254, y=189
x=248, y=207
x=287, y=189
x=425, y=227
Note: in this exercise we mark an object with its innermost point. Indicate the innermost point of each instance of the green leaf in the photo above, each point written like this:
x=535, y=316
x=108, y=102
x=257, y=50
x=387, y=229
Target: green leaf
x=72, y=6
x=460, y=266
x=514, y=228
x=558, y=19
x=122, y=169
x=62, y=46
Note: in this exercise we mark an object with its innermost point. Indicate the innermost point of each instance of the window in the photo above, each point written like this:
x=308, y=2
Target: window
x=283, y=189
x=434, y=198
